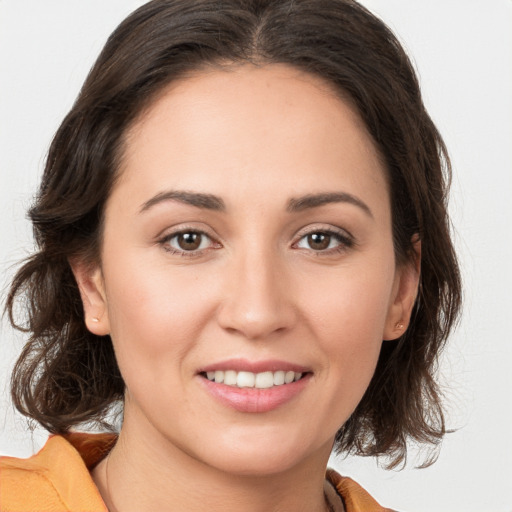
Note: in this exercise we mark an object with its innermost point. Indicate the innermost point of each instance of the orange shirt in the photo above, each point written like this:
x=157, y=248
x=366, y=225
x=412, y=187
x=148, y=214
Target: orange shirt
x=57, y=479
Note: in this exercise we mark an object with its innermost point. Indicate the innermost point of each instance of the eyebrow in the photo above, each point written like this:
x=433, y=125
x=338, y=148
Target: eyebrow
x=215, y=203
x=199, y=200
x=315, y=200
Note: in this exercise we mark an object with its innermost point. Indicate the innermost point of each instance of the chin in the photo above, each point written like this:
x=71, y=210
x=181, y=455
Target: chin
x=273, y=456
x=260, y=466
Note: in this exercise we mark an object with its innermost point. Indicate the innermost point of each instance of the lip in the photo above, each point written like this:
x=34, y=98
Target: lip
x=244, y=365
x=254, y=400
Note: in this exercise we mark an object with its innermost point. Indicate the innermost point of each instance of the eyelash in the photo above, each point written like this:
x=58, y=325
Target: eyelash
x=344, y=239
x=165, y=243
x=345, y=242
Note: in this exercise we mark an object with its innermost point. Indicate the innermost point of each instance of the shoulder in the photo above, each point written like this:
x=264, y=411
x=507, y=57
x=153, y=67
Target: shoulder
x=55, y=479
x=355, y=497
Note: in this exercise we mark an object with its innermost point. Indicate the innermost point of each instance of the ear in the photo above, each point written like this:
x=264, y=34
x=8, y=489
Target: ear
x=405, y=291
x=92, y=291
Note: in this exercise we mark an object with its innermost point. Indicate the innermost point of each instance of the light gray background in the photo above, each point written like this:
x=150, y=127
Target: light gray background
x=463, y=53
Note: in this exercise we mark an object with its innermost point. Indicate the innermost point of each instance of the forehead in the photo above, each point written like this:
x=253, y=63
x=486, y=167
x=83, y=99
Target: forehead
x=250, y=129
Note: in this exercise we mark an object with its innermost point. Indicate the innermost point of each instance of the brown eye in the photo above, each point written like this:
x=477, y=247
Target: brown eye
x=325, y=242
x=319, y=241
x=189, y=241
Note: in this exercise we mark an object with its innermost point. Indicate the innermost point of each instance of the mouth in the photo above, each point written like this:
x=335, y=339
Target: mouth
x=254, y=387
x=245, y=379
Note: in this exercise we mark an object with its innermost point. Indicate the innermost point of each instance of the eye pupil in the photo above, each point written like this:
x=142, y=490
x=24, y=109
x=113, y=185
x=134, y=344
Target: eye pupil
x=189, y=241
x=319, y=241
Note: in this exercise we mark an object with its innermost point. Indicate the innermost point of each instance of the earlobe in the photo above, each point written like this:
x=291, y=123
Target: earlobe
x=405, y=291
x=92, y=291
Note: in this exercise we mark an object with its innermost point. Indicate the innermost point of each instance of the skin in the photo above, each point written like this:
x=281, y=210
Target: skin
x=256, y=289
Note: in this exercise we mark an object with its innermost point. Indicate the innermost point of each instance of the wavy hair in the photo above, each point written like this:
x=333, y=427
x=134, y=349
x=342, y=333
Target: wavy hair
x=65, y=375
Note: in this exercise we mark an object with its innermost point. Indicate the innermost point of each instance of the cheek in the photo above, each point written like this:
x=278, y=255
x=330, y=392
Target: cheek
x=347, y=314
x=351, y=337
x=154, y=315
x=351, y=304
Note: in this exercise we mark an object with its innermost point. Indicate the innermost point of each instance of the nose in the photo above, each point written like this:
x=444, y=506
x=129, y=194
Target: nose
x=257, y=300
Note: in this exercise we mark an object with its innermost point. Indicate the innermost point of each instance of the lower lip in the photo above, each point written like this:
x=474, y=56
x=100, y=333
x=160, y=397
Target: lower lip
x=254, y=399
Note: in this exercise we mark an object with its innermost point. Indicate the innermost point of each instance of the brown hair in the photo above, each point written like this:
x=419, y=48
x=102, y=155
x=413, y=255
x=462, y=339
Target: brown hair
x=66, y=375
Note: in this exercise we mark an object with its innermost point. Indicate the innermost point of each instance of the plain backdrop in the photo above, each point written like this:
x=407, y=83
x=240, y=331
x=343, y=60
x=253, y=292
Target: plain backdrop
x=462, y=50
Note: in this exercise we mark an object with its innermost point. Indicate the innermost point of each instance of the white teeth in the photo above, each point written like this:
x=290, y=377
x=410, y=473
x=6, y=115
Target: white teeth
x=264, y=380
x=289, y=377
x=245, y=380
x=230, y=378
x=278, y=378
x=261, y=380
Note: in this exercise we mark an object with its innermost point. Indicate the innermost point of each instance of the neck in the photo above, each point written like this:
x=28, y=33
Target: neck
x=144, y=475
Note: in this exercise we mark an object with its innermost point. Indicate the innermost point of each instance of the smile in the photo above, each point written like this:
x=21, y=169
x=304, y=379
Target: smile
x=254, y=386
x=244, y=379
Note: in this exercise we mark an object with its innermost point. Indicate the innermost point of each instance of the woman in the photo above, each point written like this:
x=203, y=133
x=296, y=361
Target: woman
x=243, y=239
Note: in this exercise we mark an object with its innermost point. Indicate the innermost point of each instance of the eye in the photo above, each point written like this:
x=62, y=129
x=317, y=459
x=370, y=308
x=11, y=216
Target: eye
x=325, y=241
x=187, y=242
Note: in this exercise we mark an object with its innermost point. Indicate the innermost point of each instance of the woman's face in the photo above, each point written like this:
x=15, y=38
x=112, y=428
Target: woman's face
x=249, y=237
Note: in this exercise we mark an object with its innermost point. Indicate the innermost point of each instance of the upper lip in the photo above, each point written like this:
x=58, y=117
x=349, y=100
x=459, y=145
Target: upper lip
x=244, y=365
